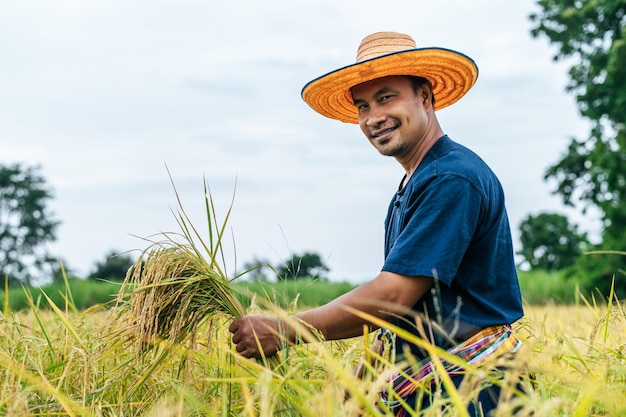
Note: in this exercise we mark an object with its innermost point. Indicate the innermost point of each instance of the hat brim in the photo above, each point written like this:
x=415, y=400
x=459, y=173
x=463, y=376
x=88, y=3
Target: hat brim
x=451, y=73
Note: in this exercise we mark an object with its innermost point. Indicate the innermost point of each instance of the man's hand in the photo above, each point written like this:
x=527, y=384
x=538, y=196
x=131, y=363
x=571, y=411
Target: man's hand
x=255, y=335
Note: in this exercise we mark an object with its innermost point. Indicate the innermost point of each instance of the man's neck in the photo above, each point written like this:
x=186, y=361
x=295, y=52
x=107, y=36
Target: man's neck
x=411, y=163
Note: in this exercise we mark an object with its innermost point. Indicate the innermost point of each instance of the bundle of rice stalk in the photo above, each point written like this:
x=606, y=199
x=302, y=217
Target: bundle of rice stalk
x=174, y=291
x=178, y=284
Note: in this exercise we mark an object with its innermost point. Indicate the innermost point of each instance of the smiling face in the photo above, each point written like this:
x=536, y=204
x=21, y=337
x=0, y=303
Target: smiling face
x=395, y=116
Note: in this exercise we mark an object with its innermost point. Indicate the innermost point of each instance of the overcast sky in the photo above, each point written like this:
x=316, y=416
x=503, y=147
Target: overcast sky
x=103, y=95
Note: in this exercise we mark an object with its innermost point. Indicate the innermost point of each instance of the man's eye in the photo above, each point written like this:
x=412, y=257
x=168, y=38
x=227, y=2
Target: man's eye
x=385, y=98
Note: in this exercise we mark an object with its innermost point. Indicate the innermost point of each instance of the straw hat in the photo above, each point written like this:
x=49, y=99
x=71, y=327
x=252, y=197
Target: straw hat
x=381, y=54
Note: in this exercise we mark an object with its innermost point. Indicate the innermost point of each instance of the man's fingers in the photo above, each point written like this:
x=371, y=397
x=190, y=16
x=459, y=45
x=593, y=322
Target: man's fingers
x=234, y=326
x=247, y=352
x=253, y=334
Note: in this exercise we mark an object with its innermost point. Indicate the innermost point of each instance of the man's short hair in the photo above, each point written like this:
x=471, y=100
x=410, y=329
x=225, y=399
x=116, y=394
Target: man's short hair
x=418, y=82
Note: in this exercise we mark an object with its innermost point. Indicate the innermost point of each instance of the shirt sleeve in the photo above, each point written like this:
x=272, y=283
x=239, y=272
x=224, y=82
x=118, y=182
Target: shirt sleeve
x=438, y=222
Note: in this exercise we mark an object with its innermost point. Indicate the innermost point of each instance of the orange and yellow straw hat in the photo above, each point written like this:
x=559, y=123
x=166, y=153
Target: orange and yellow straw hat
x=382, y=54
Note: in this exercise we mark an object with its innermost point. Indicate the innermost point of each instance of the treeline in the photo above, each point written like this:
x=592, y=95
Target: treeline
x=549, y=242
x=538, y=287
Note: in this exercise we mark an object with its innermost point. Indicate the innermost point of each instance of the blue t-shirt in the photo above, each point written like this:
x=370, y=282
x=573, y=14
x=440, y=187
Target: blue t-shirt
x=449, y=222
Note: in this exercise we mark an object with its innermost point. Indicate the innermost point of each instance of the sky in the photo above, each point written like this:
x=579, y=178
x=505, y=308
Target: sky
x=108, y=96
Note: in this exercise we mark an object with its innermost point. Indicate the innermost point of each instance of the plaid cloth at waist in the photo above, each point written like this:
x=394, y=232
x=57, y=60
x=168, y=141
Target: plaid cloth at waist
x=488, y=343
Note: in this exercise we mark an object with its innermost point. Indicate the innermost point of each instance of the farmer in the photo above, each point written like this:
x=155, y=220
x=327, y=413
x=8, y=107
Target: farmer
x=448, y=275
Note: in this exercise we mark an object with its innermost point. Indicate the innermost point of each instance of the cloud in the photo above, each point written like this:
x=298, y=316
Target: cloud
x=105, y=94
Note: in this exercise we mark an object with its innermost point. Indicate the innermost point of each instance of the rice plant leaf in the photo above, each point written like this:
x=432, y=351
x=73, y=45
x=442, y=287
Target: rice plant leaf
x=214, y=248
x=149, y=372
x=585, y=400
x=226, y=218
x=5, y=308
x=607, y=322
x=68, y=290
x=64, y=319
x=35, y=311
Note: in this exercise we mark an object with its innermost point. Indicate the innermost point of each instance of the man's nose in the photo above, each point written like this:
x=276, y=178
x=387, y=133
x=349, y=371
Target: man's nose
x=375, y=117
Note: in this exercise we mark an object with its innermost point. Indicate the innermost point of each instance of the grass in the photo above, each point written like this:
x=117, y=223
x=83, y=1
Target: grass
x=541, y=287
x=306, y=292
x=538, y=287
x=86, y=294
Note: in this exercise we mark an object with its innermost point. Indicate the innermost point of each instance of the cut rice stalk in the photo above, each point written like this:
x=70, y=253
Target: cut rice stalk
x=178, y=284
x=174, y=291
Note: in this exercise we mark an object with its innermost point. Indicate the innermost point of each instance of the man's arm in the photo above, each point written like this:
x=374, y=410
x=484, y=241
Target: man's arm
x=387, y=295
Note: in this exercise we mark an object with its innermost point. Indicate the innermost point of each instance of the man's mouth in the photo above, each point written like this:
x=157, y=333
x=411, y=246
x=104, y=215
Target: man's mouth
x=382, y=134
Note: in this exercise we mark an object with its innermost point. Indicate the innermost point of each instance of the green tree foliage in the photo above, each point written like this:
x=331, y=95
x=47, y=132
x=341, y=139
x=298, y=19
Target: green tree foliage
x=113, y=268
x=300, y=266
x=256, y=269
x=592, y=172
x=25, y=224
x=550, y=242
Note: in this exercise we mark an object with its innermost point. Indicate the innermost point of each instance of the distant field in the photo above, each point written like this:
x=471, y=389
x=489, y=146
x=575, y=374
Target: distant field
x=537, y=288
x=86, y=293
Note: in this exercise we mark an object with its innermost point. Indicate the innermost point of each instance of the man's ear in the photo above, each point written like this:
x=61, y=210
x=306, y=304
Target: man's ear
x=426, y=95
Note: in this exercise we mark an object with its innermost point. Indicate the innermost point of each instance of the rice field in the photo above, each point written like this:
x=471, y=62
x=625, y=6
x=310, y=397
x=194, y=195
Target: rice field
x=163, y=349
x=60, y=362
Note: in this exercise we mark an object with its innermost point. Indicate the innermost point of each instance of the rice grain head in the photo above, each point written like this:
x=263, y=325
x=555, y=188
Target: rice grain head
x=174, y=290
x=178, y=283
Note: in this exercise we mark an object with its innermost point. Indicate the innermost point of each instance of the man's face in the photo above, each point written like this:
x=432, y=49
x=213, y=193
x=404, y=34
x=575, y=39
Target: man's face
x=392, y=115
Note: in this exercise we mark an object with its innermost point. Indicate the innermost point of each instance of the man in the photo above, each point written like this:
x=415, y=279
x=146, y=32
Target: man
x=449, y=276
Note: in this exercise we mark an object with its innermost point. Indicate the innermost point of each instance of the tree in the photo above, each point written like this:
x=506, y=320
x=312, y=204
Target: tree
x=114, y=267
x=592, y=173
x=25, y=223
x=255, y=269
x=550, y=242
x=305, y=265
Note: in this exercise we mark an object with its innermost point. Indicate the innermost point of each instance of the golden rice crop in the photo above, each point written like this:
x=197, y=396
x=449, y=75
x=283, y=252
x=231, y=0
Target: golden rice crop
x=178, y=284
x=174, y=290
